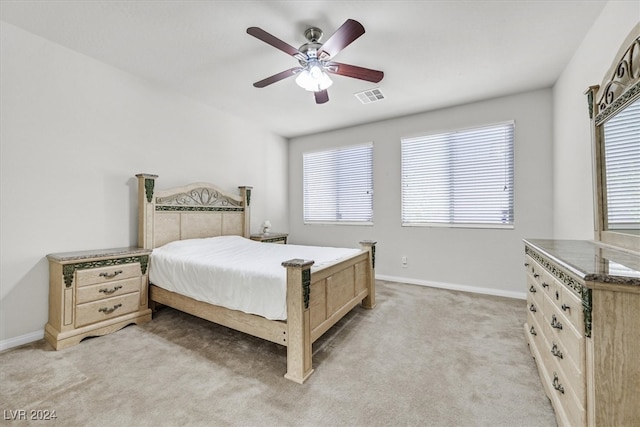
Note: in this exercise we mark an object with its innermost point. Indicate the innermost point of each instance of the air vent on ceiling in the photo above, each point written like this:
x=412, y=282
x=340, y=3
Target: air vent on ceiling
x=369, y=96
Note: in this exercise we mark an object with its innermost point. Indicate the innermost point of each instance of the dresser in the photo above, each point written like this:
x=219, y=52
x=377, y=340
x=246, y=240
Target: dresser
x=583, y=329
x=95, y=293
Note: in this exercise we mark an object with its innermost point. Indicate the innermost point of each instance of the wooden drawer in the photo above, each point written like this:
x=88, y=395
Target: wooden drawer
x=550, y=286
x=567, y=337
x=535, y=311
x=573, y=374
x=567, y=403
x=571, y=306
x=559, y=330
x=535, y=332
x=94, y=276
x=534, y=269
x=97, y=311
x=534, y=293
x=90, y=293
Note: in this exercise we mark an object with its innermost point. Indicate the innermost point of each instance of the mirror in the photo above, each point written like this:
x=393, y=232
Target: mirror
x=614, y=108
x=621, y=170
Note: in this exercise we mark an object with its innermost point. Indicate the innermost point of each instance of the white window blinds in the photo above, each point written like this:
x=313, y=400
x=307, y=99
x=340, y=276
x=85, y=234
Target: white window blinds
x=338, y=185
x=459, y=178
x=622, y=157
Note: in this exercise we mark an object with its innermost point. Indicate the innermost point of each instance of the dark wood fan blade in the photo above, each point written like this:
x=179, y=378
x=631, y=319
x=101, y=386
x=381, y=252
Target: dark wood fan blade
x=343, y=37
x=355, y=72
x=261, y=34
x=277, y=77
x=321, y=96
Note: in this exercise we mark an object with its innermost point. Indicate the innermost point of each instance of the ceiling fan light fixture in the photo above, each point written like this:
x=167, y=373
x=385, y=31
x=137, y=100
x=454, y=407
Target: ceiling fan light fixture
x=313, y=78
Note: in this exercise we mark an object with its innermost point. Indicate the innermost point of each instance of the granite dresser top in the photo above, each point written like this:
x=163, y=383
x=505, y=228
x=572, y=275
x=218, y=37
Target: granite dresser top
x=590, y=260
x=99, y=253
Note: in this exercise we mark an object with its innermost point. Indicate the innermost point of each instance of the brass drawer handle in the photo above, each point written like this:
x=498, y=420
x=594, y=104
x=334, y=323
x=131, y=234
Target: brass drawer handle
x=106, y=310
x=532, y=289
x=555, y=323
x=536, y=275
x=565, y=307
x=107, y=291
x=532, y=308
x=110, y=275
x=556, y=383
x=556, y=352
x=532, y=331
x=545, y=285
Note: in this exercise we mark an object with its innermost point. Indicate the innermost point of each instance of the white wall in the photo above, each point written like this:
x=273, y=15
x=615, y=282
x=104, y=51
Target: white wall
x=74, y=132
x=572, y=157
x=480, y=259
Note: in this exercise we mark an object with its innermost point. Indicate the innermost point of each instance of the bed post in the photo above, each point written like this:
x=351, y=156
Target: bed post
x=245, y=193
x=370, y=300
x=146, y=183
x=298, y=321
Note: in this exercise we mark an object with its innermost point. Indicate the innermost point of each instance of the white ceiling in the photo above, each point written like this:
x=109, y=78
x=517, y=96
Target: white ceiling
x=434, y=53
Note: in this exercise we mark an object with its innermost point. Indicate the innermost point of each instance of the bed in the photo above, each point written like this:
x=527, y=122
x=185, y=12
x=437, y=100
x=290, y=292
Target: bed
x=316, y=296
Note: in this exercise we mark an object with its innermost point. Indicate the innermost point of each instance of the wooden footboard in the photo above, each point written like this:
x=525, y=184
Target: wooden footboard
x=317, y=300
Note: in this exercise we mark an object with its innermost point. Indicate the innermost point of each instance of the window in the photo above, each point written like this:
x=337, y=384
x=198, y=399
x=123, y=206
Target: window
x=338, y=185
x=459, y=178
x=622, y=157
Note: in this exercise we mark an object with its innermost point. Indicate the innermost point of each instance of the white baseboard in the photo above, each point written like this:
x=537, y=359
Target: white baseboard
x=455, y=287
x=22, y=339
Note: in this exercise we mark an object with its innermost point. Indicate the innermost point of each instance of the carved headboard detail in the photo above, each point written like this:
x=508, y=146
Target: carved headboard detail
x=192, y=211
x=201, y=197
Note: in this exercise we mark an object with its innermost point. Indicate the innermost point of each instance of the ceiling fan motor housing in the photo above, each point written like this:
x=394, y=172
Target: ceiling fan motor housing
x=313, y=34
x=311, y=48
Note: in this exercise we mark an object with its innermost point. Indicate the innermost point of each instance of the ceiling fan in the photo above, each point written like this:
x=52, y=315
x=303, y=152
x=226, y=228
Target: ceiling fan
x=315, y=59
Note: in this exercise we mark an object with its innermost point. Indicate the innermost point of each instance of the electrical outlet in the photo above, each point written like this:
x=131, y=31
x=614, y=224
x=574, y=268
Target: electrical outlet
x=404, y=262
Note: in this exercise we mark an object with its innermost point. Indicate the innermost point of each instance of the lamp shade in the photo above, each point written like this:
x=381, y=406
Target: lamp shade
x=313, y=78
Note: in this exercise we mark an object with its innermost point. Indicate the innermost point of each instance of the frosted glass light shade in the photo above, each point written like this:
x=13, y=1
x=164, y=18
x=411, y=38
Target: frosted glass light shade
x=313, y=79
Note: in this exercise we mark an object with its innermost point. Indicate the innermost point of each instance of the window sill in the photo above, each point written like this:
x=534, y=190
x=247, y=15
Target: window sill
x=475, y=226
x=368, y=223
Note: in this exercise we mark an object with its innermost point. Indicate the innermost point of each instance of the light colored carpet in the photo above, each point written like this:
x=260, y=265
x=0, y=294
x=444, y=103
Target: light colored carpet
x=423, y=356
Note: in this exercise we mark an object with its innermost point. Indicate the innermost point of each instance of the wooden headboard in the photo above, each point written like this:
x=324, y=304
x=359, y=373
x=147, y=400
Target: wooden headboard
x=191, y=211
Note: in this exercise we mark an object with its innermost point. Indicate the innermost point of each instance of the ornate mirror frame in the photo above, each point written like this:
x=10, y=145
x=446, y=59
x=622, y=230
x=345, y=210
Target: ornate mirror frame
x=620, y=88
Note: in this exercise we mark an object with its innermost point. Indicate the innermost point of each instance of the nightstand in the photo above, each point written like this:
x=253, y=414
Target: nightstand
x=271, y=238
x=95, y=293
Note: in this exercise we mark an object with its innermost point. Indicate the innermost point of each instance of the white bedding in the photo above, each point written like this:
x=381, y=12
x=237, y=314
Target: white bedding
x=234, y=272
